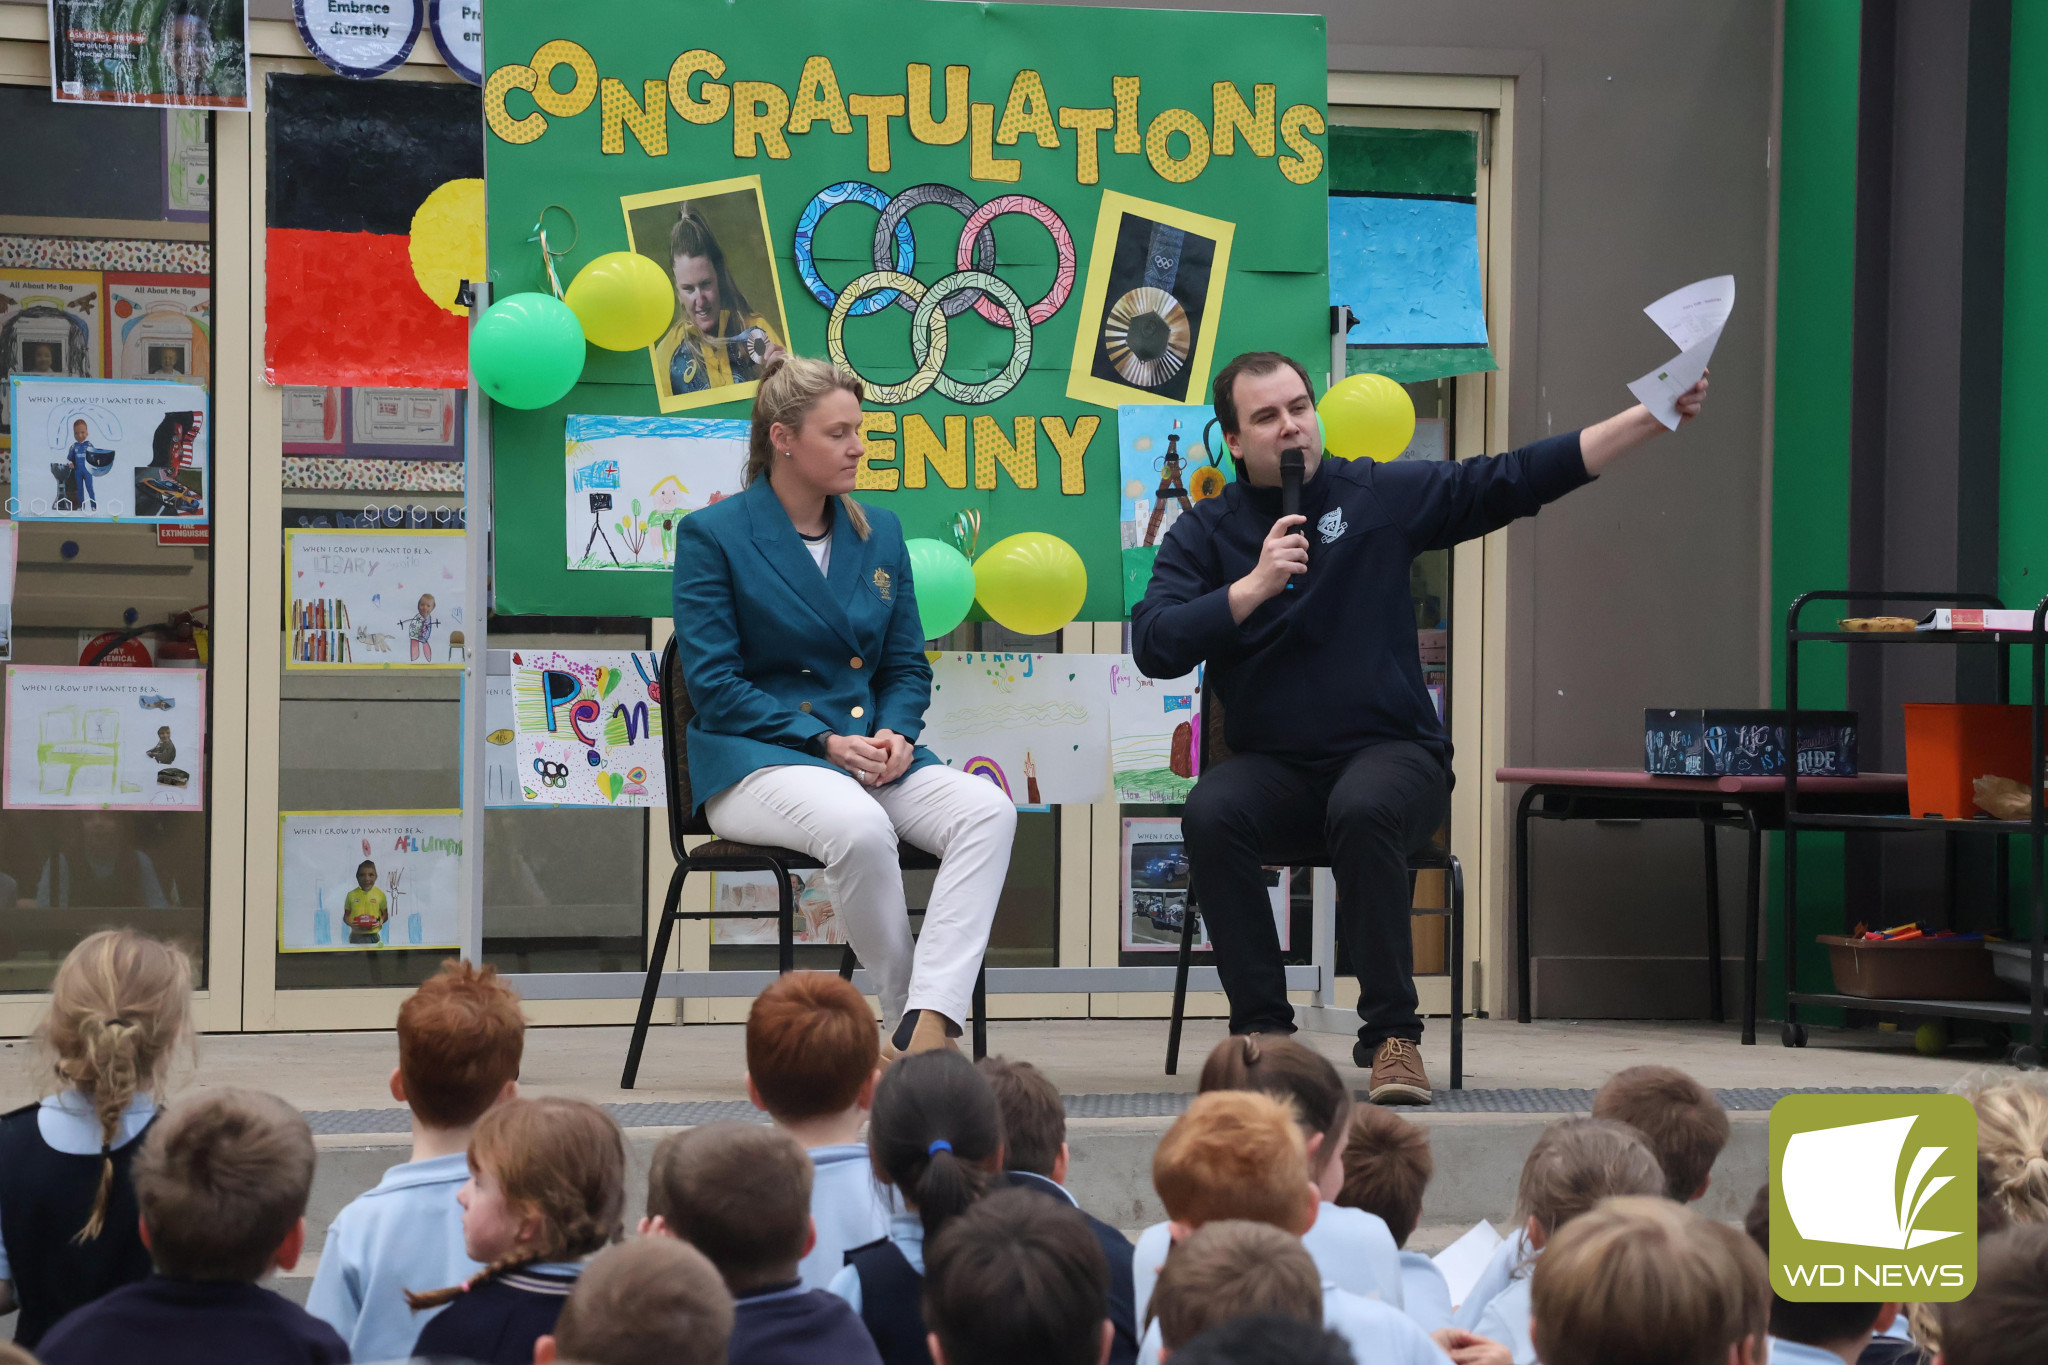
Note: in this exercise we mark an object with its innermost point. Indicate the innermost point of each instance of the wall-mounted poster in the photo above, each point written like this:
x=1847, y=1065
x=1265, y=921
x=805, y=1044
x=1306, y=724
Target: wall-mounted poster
x=586, y=727
x=9, y=547
x=188, y=166
x=375, y=599
x=49, y=325
x=183, y=54
x=712, y=243
x=1153, y=746
x=629, y=480
x=1154, y=871
x=159, y=327
x=1152, y=306
x=458, y=28
x=364, y=881
x=1036, y=725
x=105, y=738
x=749, y=910
x=110, y=450
x=313, y=415
x=501, y=769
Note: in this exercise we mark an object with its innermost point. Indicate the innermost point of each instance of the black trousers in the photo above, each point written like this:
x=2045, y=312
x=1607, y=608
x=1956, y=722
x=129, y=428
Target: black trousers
x=1370, y=812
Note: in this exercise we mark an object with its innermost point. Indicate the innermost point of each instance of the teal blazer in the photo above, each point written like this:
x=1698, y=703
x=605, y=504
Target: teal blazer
x=775, y=653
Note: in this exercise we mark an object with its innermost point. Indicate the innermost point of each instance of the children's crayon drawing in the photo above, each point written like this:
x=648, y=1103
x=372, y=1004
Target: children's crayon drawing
x=105, y=738
x=1036, y=725
x=1170, y=457
x=109, y=450
x=375, y=599
x=1153, y=744
x=586, y=727
x=368, y=881
x=629, y=480
x=49, y=325
x=159, y=327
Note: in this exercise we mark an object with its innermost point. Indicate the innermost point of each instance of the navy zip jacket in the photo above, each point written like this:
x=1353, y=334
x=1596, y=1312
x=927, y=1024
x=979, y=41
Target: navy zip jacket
x=1331, y=666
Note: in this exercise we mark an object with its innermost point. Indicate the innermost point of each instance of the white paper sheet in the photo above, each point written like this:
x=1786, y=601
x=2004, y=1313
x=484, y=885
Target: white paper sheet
x=1463, y=1260
x=1036, y=725
x=1693, y=318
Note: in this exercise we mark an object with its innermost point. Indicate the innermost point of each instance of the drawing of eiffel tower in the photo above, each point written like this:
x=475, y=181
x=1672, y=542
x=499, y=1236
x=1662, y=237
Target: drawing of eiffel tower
x=1170, y=486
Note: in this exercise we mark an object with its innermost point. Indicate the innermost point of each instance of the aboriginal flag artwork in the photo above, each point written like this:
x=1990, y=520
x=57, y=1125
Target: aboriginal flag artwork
x=376, y=216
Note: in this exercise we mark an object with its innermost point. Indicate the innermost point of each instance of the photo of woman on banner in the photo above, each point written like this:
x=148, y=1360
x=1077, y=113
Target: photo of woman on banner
x=712, y=242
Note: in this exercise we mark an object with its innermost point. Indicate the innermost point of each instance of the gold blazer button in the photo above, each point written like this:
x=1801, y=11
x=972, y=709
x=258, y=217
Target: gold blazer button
x=855, y=661
x=803, y=706
x=857, y=712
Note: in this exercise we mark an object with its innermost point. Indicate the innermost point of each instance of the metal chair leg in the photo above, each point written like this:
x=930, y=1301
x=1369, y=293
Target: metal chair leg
x=785, y=924
x=1180, y=984
x=1457, y=900
x=656, y=960
x=981, y=1013
x=1715, y=1009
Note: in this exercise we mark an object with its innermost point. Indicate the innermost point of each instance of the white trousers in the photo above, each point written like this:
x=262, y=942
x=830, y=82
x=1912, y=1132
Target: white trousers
x=966, y=821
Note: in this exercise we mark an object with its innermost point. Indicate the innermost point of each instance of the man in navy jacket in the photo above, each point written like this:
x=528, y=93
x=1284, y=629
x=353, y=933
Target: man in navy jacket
x=1308, y=631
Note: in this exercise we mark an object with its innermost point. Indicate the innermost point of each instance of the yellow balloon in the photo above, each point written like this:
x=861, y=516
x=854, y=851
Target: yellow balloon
x=623, y=301
x=1366, y=417
x=1032, y=582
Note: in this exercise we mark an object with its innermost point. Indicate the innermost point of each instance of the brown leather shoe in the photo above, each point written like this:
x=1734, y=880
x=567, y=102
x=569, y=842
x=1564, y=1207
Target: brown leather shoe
x=1397, y=1075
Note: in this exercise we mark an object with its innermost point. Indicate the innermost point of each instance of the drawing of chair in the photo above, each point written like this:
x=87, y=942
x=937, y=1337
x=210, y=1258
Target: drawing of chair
x=67, y=742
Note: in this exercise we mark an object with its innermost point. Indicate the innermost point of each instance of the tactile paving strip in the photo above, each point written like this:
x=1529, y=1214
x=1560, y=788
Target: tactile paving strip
x=1145, y=1105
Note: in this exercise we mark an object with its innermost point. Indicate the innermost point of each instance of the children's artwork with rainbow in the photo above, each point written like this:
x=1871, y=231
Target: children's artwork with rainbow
x=1153, y=734
x=586, y=727
x=375, y=599
x=368, y=880
x=628, y=481
x=1036, y=725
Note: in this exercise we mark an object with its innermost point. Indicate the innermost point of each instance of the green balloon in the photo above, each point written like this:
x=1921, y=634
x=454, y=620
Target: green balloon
x=944, y=583
x=526, y=351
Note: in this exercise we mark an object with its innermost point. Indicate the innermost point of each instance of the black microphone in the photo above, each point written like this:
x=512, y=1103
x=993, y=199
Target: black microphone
x=1291, y=461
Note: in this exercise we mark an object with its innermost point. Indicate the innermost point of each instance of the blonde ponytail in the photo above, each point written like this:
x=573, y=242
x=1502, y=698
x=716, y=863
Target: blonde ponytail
x=2012, y=1142
x=790, y=386
x=120, y=1007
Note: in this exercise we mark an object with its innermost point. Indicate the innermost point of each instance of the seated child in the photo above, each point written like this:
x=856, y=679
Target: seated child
x=1233, y=1269
x=1813, y=1333
x=1646, y=1279
x=2004, y=1321
x=812, y=1052
x=1240, y=1154
x=652, y=1301
x=1574, y=1165
x=1035, y=1156
x=119, y=1013
x=937, y=1140
x=1017, y=1280
x=1353, y=1248
x=221, y=1182
x=1265, y=1340
x=741, y=1194
x=546, y=1187
x=1387, y=1166
x=1681, y=1119
x=460, y=1038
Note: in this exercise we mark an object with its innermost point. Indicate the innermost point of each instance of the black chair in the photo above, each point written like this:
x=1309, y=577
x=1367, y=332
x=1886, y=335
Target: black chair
x=1214, y=750
x=726, y=855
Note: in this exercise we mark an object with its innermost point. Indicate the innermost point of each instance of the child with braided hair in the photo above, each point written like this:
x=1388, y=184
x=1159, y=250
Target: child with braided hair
x=546, y=1191
x=119, y=1013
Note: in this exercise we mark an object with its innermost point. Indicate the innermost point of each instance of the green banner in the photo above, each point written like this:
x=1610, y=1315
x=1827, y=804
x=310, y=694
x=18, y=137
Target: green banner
x=1044, y=212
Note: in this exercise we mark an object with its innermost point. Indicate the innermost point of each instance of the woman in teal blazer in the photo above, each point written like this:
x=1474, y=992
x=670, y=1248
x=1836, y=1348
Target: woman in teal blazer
x=798, y=633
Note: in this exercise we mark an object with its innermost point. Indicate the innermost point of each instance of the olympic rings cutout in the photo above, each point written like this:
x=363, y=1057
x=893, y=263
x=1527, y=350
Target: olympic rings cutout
x=928, y=335
x=827, y=199
x=973, y=284
x=1062, y=240
x=977, y=248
